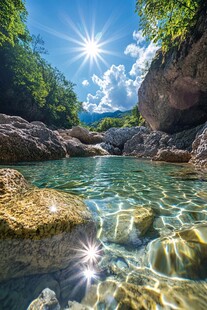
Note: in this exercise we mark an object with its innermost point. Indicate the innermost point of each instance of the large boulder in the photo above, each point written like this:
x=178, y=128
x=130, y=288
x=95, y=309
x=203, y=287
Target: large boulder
x=39, y=228
x=82, y=134
x=173, y=94
x=146, y=144
x=119, y=136
x=182, y=254
x=24, y=141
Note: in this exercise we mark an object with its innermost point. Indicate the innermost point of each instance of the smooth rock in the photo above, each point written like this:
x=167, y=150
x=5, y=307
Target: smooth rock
x=173, y=95
x=24, y=141
x=39, y=228
x=172, y=155
x=47, y=300
x=82, y=134
x=75, y=148
x=126, y=226
x=182, y=254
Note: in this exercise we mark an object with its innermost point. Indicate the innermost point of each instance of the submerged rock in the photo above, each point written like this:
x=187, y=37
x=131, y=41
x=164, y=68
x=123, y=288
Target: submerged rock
x=126, y=226
x=116, y=295
x=47, y=300
x=172, y=155
x=182, y=254
x=24, y=141
x=39, y=228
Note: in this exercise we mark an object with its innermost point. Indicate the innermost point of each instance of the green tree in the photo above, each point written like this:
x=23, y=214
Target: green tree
x=167, y=21
x=12, y=20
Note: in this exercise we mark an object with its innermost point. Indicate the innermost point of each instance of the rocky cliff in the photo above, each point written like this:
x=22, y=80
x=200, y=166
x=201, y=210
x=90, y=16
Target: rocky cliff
x=173, y=96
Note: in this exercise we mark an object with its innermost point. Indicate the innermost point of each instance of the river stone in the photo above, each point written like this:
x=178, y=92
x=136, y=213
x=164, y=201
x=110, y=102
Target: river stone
x=47, y=300
x=122, y=295
x=182, y=254
x=39, y=228
x=24, y=141
x=126, y=226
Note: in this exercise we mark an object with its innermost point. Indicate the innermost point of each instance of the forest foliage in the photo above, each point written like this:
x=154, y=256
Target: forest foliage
x=29, y=86
x=130, y=119
x=167, y=22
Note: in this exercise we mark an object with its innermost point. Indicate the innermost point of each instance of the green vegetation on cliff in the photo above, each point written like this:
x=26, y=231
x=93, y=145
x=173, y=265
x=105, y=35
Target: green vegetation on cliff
x=29, y=86
x=130, y=119
x=167, y=21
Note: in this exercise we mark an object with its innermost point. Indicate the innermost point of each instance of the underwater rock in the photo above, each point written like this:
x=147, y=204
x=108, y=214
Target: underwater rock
x=182, y=254
x=172, y=155
x=39, y=228
x=74, y=305
x=24, y=141
x=122, y=295
x=126, y=226
x=47, y=300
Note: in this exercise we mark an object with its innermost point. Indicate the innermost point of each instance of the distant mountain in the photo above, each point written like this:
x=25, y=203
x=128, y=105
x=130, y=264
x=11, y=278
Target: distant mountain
x=89, y=118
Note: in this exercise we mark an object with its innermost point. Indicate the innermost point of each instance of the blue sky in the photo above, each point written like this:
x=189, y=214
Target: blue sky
x=97, y=45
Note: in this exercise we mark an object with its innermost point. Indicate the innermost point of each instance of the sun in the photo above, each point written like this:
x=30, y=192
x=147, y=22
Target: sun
x=92, y=48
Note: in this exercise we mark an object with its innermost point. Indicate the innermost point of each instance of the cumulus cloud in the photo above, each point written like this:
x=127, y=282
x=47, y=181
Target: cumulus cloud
x=117, y=91
x=118, y=88
x=85, y=83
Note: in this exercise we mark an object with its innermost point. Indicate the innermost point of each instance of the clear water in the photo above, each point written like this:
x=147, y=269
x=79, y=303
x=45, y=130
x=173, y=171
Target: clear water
x=111, y=184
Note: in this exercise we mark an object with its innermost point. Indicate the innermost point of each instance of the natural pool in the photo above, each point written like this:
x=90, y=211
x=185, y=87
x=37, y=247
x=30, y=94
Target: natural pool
x=174, y=268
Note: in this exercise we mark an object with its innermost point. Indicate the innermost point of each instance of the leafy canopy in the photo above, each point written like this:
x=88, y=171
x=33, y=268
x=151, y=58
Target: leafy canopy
x=12, y=20
x=166, y=22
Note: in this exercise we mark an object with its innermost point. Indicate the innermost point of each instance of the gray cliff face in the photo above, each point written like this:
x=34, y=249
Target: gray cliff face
x=173, y=96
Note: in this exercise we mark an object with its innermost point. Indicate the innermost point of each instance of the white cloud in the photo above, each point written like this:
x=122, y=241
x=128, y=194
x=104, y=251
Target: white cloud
x=85, y=83
x=117, y=91
x=138, y=36
x=144, y=58
x=117, y=88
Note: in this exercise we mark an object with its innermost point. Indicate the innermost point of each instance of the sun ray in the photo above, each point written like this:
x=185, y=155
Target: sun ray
x=86, y=43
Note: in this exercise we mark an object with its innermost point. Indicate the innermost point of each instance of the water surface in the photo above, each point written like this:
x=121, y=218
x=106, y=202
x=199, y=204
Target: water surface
x=176, y=193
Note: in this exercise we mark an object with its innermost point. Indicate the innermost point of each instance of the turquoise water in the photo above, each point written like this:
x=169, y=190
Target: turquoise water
x=176, y=193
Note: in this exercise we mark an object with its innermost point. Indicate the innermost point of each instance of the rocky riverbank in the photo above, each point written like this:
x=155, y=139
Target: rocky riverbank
x=24, y=141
